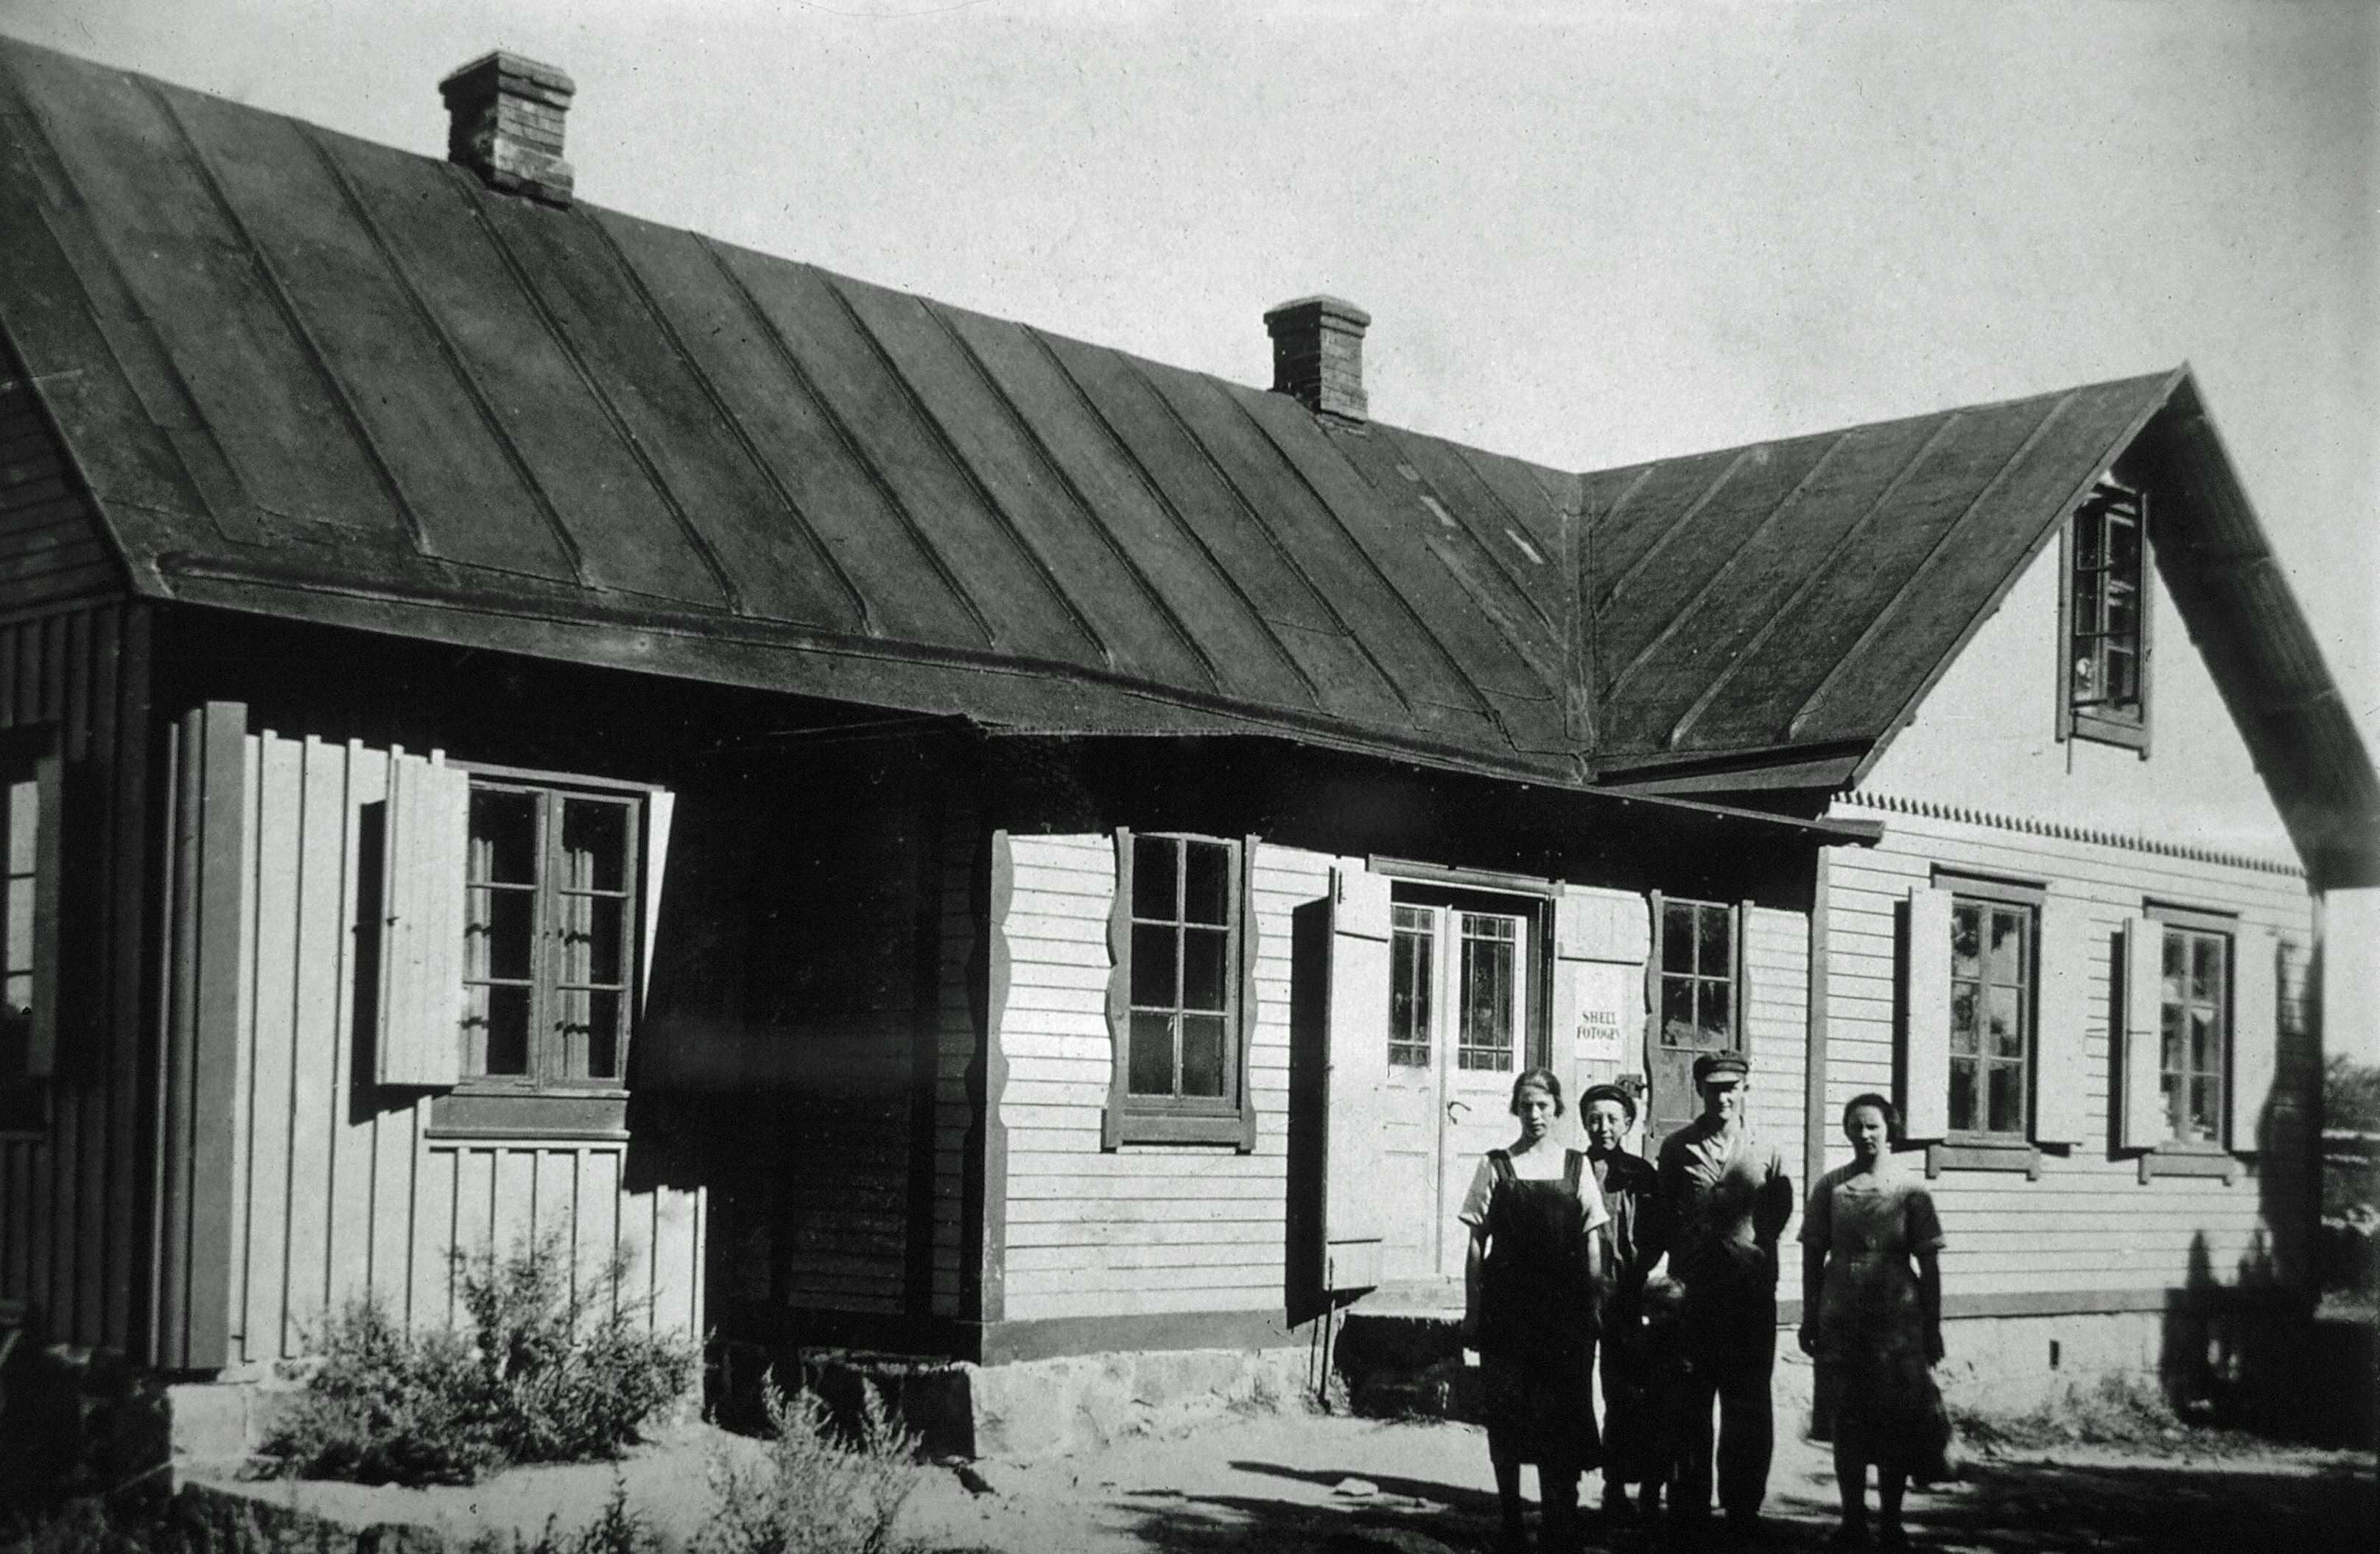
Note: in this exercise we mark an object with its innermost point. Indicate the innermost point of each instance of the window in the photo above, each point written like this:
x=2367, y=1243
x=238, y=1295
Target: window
x=549, y=936
x=1995, y=1061
x=1695, y=989
x=1412, y=965
x=1991, y=1015
x=1698, y=974
x=1482, y=955
x=2104, y=692
x=1179, y=999
x=2194, y=1027
x=29, y=914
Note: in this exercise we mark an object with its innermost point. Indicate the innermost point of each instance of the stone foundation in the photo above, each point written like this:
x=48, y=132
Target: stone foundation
x=1047, y=1408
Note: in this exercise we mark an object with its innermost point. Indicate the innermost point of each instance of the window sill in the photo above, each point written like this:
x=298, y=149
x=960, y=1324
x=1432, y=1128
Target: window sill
x=2129, y=733
x=1129, y=1126
x=1982, y=1154
x=2188, y=1158
x=531, y=1114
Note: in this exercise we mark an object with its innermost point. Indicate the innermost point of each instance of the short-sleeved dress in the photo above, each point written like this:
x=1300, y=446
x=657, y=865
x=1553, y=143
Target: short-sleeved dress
x=1537, y=1307
x=1875, y=1396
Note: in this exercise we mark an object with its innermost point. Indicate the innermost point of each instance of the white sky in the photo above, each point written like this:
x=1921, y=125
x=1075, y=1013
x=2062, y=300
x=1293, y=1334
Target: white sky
x=1588, y=233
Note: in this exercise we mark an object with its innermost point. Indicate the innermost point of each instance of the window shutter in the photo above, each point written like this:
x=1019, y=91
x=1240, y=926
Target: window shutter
x=42, y=1045
x=1926, y=1033
x=1353, y=1217
x=1573, y=925
x=426, y=838
x=2061, y=1053
x=659, y=809
x=2255, y=1031
x=2140, y=1115
x=1243, y=1035
x=1119, y=998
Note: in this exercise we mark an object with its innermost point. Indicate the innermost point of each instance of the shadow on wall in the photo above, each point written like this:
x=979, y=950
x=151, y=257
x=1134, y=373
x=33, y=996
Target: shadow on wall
x=2251, y=1351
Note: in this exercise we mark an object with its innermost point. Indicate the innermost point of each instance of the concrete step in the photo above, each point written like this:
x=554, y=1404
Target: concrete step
x=1403, y=1359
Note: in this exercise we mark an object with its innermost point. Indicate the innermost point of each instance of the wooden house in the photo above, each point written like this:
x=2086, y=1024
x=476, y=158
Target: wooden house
x=934, y=837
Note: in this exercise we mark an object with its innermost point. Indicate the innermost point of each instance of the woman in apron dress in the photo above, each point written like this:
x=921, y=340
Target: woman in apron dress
x=1529, y=1309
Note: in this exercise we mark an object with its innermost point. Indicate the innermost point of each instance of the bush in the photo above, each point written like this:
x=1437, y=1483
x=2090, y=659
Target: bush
x=815, y=1493
x=554, y=1368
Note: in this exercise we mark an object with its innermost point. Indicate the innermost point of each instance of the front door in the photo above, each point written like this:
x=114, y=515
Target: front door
x=1458, y=1014
x=1695, y=1009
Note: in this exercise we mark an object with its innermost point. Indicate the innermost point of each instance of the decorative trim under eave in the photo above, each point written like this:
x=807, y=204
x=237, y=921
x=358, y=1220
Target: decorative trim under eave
x=2063, y=832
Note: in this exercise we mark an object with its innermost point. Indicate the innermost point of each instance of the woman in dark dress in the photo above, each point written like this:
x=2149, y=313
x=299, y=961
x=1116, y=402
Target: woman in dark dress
x=1528, y=1291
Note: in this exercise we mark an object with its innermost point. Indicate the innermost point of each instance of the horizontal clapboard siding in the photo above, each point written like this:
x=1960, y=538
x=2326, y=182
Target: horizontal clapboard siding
x=51, y=548
x=340, y=1191
x=1144, y=1229
x=1776, y=1026
x=2089, y=1222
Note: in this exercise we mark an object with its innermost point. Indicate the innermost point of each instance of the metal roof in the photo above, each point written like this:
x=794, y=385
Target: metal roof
x=307, y=374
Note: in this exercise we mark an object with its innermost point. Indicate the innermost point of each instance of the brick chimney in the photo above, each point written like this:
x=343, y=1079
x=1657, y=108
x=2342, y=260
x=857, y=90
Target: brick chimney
x=505, y=124
x=1318, y=355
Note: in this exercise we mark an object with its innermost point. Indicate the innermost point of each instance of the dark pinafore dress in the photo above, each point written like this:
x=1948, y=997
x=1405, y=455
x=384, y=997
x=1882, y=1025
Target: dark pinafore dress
x=1536, y=1319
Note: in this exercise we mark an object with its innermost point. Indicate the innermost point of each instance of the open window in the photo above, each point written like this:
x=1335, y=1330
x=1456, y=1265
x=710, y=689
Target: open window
x=1993, y=1038
x=2200, y=1031
x=547, y=884
x=1181, y=994
x=2104, y=690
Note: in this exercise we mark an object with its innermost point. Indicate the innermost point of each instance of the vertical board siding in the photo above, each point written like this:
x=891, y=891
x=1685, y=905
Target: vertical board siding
x=1142, y=1229
x=341, y=1192
x=2089, y=1222
x=956, y=1053
x=72, y=1242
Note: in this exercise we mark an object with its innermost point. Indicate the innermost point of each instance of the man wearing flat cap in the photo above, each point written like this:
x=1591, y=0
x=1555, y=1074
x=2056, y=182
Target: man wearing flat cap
x=1724, y=1199
x=1631, y=1248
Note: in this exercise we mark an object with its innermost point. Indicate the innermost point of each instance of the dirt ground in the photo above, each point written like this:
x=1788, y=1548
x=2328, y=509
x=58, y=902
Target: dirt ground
x=1283, y=1483
x=1340, y=1486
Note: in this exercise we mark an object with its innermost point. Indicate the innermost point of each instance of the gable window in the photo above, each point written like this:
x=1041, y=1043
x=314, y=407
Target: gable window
x=1991, y=1015
x=28, y=915
x=2103, y=694
x=1180, y=1002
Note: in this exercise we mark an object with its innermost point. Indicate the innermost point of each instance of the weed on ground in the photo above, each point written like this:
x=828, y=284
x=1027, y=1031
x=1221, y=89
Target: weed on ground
x=2121, y=1412
x=555, y=1367
x=816, y=1492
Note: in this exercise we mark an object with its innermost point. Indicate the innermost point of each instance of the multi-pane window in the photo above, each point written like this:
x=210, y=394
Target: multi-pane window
x=1481, y=957
x=1184, y=991
x=1697, y=974
x=20, y=820
x=2105, y=610
x=549, y=945
x=1413, y=962
x=1991, y=1014
x=2195, y=1003
x=1490, y=949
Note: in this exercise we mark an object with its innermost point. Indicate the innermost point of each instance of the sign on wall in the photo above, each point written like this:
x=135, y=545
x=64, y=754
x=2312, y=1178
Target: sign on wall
x=1610, y=1002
